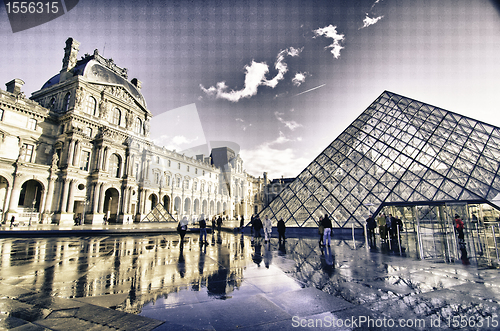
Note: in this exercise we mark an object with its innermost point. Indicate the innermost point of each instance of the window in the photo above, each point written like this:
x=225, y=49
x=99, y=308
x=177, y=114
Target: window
x=157, y=178
x=186, y=184
x=138, y=126
x=179, y=165
x=202, y=187
x=203, y=173
x=91, y=106
x=157, y=160
x=195, y=171
x=1, y=114
x=114, y=166
x=84, y=161
x=136, y=171
x=169, y=163
x=178, y=182
x=195, y=186
x=67, y=98
x=167, y=179
x=117, y=116
x=27, y=152
x=32, y=123
x=187, y=168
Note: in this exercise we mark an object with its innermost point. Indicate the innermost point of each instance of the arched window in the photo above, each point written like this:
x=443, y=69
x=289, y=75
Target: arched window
x=117, y=116
x=114, y=166
x=138, y=126
x=91, y=106
x=67, y=98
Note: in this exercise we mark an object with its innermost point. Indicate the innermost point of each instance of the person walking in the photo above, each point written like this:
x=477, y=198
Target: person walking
x=203, y=230
x=281, y=230
x=321, y=230
x=268, y=228
x=12, y=220
x=182, y=229
x=327, y=224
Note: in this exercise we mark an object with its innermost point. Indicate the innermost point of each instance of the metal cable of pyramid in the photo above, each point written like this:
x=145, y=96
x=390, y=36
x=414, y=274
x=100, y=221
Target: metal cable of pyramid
x=399, y=151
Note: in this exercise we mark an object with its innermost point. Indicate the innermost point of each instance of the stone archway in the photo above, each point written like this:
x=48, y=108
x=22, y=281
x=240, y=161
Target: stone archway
x=29, y=197
x=177, y=205
x=187, y=206
x=111, y=199
x=153, y=201
x=166, y=203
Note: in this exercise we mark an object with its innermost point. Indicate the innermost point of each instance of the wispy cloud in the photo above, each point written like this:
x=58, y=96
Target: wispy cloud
x=331, y=32
x=376, y=2
x=292, y=125
x=370, y=21
x=243, y=124
x=311, y=89
x=255, y=76
x=300, y=77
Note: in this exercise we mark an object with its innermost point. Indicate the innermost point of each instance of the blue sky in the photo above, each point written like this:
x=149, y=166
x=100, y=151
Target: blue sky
x=279, y=78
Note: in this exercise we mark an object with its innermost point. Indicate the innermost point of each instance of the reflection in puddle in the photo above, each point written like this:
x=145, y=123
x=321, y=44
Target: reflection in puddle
x=157, y=272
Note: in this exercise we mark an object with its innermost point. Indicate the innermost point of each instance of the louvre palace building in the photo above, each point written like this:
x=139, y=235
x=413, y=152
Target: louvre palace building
x=80, y=147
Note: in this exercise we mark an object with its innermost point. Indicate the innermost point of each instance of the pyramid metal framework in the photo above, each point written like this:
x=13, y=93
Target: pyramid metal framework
x=158, y=214
x=399, y=151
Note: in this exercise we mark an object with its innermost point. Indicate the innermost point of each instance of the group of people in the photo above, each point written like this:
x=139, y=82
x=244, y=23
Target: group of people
x=257, y=225
x=389, y=227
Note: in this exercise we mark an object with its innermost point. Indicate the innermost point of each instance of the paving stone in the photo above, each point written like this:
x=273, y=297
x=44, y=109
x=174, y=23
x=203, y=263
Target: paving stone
x=308, y=301
x=50, y=302
x=73, y=324
x=108, y=301
x=10, y=322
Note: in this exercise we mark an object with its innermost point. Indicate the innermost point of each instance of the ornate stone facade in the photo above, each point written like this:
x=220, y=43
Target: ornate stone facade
x=80, y=148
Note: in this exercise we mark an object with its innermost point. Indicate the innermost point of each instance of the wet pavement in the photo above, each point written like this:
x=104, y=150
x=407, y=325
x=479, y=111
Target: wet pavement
x=152, y=282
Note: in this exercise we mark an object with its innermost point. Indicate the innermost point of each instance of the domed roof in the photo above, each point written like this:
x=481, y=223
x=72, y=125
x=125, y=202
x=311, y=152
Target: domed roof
x=96, y=69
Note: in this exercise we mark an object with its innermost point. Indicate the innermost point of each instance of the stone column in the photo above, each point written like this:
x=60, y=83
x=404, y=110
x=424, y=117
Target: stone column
x=64, y=198
x=71, y=199
x=50, y=195
x=71, y=150
x=102, y=195
x=14, y=193
x=76, y=157
x=95, y=201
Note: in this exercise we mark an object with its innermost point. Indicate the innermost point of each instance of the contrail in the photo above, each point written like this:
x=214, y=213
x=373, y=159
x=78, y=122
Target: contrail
x=309, y=90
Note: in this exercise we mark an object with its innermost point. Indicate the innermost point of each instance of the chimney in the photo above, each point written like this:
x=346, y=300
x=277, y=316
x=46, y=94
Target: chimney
x=137, y=83
x=69, y=60
x=14, y=86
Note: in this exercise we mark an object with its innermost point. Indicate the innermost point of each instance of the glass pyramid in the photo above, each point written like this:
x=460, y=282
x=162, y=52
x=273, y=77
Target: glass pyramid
x=158, y=214
x=399, y=151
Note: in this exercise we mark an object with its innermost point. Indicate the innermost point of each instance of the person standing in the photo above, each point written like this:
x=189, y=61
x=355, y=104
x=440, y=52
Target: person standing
x=321, y=230
x=381, y=226
x=219, y=223
x=327, y=224
x=281, y=230
x=257, y=226
x=203, y=230
x=459, y=227
x=242, y=223
x=370, y=226
x=12, y=220
x=268, y=228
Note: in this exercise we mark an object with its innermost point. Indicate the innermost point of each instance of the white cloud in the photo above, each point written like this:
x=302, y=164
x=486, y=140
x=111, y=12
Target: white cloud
x=331, y=32
x=292, y=125
x=300, y=77
x=239, y=120
x=178, y=142
x=370, y=21
x=255, y=76
x=276, y=162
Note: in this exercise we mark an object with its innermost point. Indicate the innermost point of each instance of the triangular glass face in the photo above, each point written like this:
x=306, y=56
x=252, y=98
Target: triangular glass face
x=158, y=214
x=398, y=151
